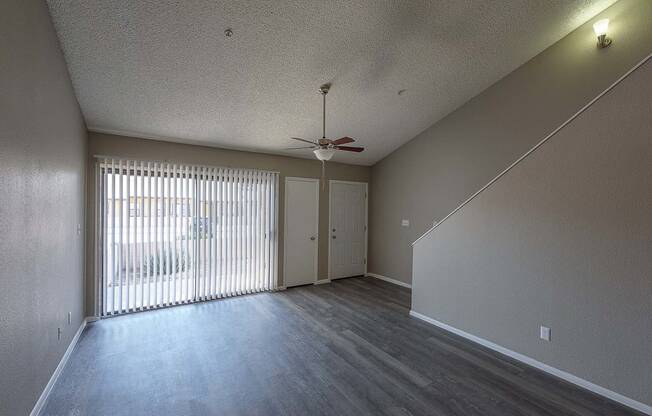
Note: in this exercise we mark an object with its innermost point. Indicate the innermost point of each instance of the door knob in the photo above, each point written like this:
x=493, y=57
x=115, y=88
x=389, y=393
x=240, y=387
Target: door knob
x=334, y=237
x=312, y=238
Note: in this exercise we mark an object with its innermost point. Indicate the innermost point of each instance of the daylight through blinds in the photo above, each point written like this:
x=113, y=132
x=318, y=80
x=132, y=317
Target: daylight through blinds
x=172, y=234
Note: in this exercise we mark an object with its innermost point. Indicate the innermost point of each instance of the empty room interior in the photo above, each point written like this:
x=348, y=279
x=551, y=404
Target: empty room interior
x=428, y=207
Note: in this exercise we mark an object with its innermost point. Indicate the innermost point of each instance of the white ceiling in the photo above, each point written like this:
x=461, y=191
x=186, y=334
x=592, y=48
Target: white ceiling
x=164, y=69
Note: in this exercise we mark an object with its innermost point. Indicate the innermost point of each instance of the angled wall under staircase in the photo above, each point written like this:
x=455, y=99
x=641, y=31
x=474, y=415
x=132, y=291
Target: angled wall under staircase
x=563, y=239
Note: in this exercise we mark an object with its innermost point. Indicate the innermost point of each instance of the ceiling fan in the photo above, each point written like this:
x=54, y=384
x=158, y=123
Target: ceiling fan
x=325, y=148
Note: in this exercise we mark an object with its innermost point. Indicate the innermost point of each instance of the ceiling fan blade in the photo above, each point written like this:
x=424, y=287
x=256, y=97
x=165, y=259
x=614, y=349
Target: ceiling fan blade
x=343, y=140
x=350, y=148
x=296, y=148
x=304, y=140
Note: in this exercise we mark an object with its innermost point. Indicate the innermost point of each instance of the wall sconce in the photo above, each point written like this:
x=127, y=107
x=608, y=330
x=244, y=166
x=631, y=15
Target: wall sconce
x=600, y=28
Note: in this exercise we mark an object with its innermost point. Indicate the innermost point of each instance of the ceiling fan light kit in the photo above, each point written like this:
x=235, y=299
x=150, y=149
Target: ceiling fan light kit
x=324, y=154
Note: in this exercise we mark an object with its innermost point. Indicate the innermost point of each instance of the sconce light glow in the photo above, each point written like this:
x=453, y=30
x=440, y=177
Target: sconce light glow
x=600, y=28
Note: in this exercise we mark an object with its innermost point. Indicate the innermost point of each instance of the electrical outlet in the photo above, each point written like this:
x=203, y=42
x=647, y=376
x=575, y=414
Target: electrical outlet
x=405, y=223
x=78, y=229
x=69, y=318
x=544, y=333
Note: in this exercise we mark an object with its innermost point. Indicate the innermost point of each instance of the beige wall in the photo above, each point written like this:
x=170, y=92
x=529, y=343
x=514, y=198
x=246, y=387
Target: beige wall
x=562, y=240
x=42, y=156
x=428, y=177
x=110, y=145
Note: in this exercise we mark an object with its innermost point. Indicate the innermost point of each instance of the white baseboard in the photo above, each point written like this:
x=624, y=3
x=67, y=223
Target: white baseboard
x=40, y=403
x=280, y=288
x=390, y=280
x=322, y=282
x=617, y=397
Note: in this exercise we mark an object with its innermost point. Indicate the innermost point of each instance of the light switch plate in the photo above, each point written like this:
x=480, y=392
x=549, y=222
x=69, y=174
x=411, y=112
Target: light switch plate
x=545, y=333
x=405, y=223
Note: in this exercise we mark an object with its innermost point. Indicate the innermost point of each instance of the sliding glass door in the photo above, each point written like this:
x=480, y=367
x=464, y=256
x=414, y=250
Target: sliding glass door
x=171, y=234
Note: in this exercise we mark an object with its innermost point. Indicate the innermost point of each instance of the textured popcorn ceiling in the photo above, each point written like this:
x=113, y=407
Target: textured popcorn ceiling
x=164, y=69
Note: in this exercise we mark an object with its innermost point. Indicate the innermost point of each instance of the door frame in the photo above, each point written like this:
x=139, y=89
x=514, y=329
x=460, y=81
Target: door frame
x=330, y=220
x=285, y=225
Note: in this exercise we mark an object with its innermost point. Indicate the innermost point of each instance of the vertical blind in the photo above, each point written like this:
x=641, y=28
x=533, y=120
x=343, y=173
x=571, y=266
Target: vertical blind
x=171, y=234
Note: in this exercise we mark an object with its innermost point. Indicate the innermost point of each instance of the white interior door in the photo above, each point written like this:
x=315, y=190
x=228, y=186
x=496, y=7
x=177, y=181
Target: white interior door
x=348, y=229
x=301, y=226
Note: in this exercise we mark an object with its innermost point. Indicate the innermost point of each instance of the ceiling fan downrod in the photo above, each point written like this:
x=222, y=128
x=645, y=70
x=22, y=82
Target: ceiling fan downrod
x=324, y=90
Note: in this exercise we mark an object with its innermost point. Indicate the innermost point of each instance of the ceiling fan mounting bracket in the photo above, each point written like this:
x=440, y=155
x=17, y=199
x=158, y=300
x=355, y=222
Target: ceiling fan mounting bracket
x=325, y=88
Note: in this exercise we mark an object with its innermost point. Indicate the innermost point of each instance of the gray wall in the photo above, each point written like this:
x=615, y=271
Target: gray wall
x=42, y=156
x=562, y=240
x=110, y=145
x=428, y=177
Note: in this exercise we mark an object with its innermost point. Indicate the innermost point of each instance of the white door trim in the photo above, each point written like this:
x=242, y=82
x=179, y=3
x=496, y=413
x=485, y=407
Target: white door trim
x=285, y=225
x=330, y=219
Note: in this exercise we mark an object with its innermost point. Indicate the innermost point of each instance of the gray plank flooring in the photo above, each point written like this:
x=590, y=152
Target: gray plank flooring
x=348, y=348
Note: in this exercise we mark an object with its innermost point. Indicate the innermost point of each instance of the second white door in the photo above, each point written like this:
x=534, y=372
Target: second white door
x=348, y=229
x=301, y=226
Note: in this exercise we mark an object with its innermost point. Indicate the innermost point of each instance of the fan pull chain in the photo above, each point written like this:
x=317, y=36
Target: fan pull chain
x=323, y=175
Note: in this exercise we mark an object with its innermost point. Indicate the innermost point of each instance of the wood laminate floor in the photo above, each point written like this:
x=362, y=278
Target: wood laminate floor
x=346, y=348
